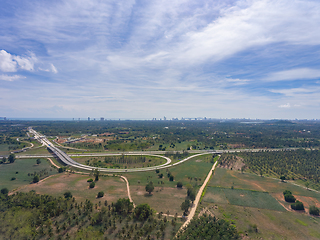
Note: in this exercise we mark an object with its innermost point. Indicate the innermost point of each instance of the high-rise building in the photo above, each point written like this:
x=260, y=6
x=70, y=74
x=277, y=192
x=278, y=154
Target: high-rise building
x=88, y=118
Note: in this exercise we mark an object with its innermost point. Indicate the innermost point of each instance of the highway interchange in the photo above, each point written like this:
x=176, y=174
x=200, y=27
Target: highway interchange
x=66, y=159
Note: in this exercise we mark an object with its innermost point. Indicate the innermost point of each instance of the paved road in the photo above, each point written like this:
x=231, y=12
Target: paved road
x=65, y=158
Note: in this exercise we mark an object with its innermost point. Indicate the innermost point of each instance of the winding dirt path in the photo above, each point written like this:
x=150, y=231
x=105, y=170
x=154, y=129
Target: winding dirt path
x=196, y=201
x=53, y=163
x=128, y=189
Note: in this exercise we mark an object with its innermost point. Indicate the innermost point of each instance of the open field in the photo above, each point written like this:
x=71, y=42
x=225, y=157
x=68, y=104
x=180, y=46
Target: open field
x=4, y=148
x=166, y=196
x=257, y=203
x=270, y=224
x=20, y=170
x=227, y=178
x=125, y=161
x=113, y=187
x=242, y=197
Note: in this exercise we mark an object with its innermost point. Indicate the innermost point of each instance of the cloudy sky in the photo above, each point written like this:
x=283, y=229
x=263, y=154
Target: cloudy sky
x=146, y=59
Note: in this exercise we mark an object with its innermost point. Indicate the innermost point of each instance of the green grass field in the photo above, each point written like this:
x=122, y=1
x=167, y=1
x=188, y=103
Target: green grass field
x=242, y=197
x=4, y=148
x=254, y=203
x=166, y=196
x=20, y=169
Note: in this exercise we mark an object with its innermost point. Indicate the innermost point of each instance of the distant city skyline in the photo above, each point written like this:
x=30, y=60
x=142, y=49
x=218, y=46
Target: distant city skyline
x=144, y=60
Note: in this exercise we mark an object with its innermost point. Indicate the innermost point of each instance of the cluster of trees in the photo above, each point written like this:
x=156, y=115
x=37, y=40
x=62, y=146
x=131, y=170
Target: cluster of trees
x=31, y=215
x=11, y=158
x=296, y=204
x=208, y=227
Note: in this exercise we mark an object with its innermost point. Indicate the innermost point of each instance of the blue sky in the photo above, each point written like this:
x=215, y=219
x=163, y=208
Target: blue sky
x=146, y=59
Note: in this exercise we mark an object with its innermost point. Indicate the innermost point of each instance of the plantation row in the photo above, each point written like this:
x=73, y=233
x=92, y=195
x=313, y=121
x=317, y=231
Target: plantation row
x=301, y=163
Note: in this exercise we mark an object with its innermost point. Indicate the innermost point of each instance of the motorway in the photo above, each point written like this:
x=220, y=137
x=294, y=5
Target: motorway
x=66, y=159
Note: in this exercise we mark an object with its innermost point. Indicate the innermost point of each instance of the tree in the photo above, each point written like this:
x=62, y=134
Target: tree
x=289, y=198
x=123, y=206
x=96, y=174
x=185, y=206
x=179, y=184
x=160, y=175
x=36, y=179
x=38, y=161
x=282, y=178
x=4, y=191
x=4, y=159
x=297, y=205
x=149, y=187
x=12, y=158
x=100, y=194
x=67, y=195
x=313, y=210
x=92, y=185
x=143, y=212
x=171, y=178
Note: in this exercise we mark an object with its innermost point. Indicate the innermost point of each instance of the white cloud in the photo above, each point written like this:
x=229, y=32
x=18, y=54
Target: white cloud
x=285, y=105
x=10, y=78
x=12, y=63
x=294, y=74
x=53, y=69
x=7, y=64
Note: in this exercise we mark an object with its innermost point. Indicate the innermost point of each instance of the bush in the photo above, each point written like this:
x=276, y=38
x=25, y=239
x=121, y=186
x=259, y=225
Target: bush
x=36, y=179
x=92, y=185
x=157, y=171
x=171, y=178
x=286, y=192
x=38, y=161
x=67, y=195
x=313, y=210
x=143, y=212
x=13, y=178
x=90, y=180
x=179, y=185
x=4, y=191
x=289, y=198
x=297, y=205
x=100, y=194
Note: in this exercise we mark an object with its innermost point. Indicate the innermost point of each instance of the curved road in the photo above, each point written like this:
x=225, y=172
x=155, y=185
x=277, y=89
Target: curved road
x=65, y=158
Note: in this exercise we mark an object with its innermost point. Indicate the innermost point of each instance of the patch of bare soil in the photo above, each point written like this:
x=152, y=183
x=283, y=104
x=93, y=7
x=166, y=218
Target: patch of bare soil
x=235, y=163
x=206, y=211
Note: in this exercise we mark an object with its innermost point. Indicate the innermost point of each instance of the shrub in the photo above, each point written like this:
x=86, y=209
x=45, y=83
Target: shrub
x=313, y=210
x=171, y=178
x=160, y=175
x=100, y=194
x=67, y=195
x=286, y=192
x=297, y=205
x=157, y=171
x=143, y=212
x=38, y=161
x=289, y=198
x=36, y=179
x=90, y=180
x=13, y=178
x=4, y=191
x=179, y=185
x=92, y=185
